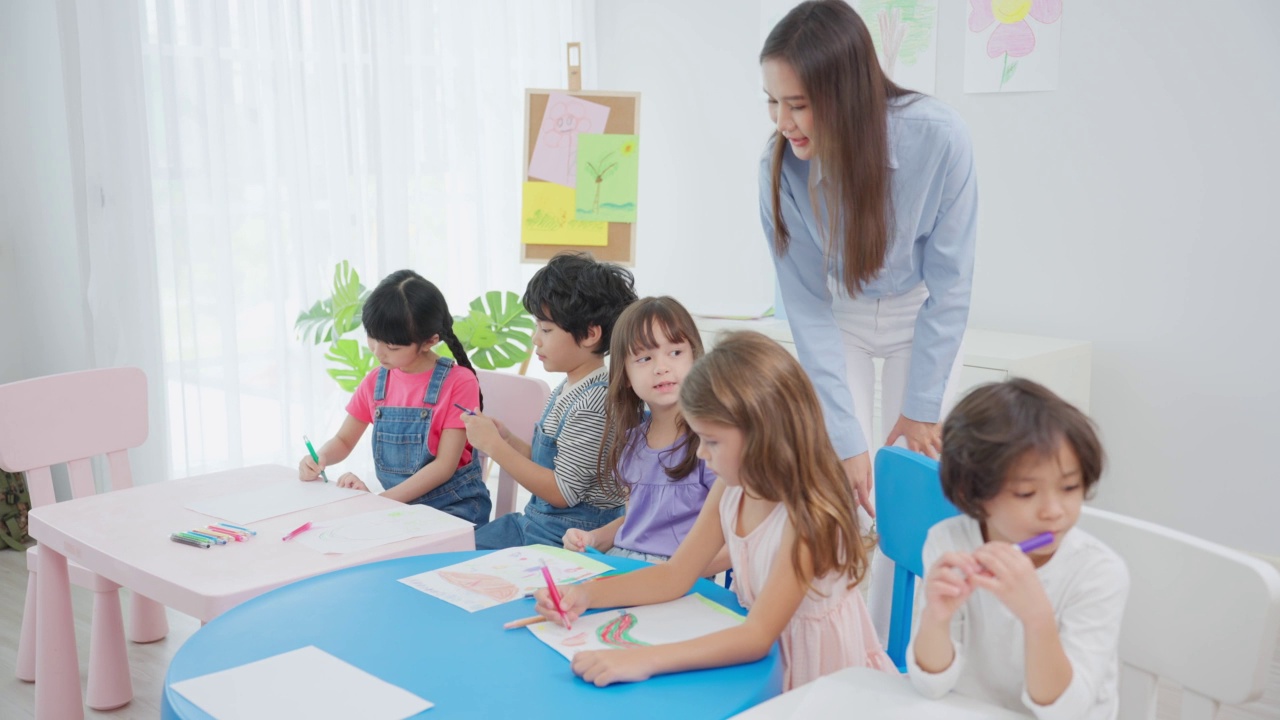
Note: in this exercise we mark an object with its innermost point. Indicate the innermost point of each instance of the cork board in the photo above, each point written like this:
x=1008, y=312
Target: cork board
x=624, y=119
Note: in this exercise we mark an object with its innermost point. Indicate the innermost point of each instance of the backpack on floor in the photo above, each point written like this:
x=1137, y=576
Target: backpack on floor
x=15, y=501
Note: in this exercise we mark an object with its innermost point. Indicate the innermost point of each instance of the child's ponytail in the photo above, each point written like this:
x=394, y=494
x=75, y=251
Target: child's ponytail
x=459, y=352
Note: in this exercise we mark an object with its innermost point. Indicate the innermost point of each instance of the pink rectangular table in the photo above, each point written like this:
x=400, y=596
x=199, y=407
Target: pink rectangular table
x=123, y=536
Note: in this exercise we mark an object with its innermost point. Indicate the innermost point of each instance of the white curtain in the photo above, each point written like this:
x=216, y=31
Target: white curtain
x=284, y=137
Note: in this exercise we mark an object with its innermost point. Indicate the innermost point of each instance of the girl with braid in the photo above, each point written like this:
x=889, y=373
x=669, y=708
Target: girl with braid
x=412, y=399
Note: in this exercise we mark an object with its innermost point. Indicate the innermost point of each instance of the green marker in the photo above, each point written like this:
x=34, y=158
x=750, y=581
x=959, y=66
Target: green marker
x=314, y=456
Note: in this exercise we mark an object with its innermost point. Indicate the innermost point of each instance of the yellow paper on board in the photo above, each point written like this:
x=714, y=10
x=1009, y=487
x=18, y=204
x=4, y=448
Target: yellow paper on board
x=547, y=218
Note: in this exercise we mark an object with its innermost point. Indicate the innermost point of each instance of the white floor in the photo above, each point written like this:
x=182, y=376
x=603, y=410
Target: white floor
x=150, y=662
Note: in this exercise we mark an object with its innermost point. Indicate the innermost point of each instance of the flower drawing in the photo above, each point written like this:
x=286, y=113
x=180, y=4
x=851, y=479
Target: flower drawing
x=1013, y=36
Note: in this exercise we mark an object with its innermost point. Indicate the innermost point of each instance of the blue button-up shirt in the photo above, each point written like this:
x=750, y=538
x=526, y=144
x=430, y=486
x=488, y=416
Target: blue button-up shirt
x=934, y=226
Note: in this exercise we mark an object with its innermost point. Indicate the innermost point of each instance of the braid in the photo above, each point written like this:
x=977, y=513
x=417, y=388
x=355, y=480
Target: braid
x=459, y=352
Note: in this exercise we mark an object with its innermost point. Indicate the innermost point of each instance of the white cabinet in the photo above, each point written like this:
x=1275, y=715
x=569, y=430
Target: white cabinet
x=989, y=356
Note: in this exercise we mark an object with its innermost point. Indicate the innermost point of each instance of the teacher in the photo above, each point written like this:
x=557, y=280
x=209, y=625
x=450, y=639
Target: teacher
x=869, y=199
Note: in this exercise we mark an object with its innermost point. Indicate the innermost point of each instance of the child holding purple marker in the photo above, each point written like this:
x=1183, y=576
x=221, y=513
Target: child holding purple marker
x=1021, y=609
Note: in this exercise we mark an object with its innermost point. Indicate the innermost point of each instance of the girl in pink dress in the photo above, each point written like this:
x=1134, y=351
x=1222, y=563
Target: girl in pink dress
x=785, y=510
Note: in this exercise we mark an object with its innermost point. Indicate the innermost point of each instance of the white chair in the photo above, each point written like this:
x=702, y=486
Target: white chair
x=1199, y=614
x=518, y=401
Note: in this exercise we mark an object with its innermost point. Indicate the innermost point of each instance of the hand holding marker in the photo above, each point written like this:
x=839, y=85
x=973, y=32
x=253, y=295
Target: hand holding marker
x=314, y=456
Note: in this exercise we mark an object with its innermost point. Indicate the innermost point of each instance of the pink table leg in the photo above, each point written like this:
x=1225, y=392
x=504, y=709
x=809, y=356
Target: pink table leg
x=57, y=664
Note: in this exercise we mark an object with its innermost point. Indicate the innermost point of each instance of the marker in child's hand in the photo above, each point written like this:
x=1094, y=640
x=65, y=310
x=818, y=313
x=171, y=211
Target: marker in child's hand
x=463, y=409
x=1036, y=542
x=314, y=456
x=555, y=594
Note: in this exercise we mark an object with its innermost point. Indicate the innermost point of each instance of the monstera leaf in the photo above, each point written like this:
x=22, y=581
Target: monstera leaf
x=338, y=314
x=497, y=332
x=353, y=361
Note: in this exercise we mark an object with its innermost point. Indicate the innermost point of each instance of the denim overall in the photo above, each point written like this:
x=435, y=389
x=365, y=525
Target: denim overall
x=400, y=450
x=541, y=521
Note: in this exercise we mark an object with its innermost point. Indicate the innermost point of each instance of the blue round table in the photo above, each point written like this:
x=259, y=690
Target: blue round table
x=463, y=662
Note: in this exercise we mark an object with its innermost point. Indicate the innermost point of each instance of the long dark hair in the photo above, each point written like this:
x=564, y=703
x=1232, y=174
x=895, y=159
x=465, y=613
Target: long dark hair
x=829, y=47
x=407, y=309
x=636, y=330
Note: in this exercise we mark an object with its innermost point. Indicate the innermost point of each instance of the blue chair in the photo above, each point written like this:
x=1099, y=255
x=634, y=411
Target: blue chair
x=909, y=501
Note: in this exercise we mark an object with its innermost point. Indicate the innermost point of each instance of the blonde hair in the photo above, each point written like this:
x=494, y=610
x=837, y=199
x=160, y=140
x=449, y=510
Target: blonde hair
x=636, y=330
x=750, y=383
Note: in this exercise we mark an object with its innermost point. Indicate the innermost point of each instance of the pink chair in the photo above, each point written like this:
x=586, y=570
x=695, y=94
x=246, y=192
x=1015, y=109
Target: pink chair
x=518, y=401
x=71, y=418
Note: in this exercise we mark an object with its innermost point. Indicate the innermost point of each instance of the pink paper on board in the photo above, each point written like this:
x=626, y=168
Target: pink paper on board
x=555, y=154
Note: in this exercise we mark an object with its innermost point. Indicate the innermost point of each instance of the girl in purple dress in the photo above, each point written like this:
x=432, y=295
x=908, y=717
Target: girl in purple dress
x=654, y=344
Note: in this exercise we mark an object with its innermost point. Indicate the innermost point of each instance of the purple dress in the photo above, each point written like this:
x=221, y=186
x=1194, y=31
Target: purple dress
x=660, y=510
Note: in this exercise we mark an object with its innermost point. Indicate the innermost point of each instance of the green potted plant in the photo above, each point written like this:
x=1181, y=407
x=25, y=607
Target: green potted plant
x=496, y=332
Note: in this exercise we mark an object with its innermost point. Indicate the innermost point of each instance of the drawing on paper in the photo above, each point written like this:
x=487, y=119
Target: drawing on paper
x=555, y=152
x=490, y=586
x=608, y=176
x=1012, y=45
x=905, y=33
x=548, y=218
x=689, y=617
x=503, y=575
x=617, y=632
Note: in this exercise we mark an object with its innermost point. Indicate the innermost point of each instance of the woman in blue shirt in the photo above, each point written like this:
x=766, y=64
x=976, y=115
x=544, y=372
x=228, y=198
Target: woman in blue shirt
x=869, y=199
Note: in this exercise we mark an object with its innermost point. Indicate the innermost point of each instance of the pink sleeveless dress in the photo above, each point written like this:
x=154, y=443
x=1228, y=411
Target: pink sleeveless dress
x=831, y=629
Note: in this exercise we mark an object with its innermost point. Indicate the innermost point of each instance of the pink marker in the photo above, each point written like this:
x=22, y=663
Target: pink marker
x=555, y=594
x=295, y=533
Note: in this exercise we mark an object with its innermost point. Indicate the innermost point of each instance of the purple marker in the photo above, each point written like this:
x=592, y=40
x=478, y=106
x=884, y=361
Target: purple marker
x=1036, y=542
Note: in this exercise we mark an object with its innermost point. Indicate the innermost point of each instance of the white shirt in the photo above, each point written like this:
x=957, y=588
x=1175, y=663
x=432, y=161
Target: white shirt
x=1087, y=584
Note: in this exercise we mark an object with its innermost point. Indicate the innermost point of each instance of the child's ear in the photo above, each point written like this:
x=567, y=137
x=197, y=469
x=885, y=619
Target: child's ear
x=592, y=340
x=431, y=342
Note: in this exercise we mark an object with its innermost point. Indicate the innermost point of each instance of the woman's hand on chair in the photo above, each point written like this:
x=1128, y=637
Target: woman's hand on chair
x=858, y=470
x=922, y=437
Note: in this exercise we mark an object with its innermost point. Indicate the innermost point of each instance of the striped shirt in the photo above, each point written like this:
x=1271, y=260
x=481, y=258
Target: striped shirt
x=578, y=447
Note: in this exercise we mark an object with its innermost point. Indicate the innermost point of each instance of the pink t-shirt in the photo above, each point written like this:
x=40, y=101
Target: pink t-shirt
x=408, y=390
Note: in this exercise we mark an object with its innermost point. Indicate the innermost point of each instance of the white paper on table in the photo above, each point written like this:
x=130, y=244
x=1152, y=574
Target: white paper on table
x=304, y=683
x=896, y=700
x=272, y=501
x=504, y=575
x=380, y=527
x=689, y=617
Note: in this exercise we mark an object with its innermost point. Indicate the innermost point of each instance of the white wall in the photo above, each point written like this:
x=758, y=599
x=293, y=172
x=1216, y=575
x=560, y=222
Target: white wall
x=702, y=128
x=1128, y=208
x=43, y=325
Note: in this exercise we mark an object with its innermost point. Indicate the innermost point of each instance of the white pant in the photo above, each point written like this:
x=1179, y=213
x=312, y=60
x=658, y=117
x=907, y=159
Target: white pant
x=881, y=328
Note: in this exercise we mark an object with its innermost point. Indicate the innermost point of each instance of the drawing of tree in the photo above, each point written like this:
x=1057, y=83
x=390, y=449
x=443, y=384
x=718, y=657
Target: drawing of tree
x=902, y=29
x=601, y=171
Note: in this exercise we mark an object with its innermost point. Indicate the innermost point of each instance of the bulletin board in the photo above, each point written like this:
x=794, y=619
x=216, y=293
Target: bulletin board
x=624, y=119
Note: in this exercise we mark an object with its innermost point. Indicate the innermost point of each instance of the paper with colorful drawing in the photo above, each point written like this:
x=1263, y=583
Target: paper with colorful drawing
x=380, y=527
x=504, y=575
x=692, y=616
